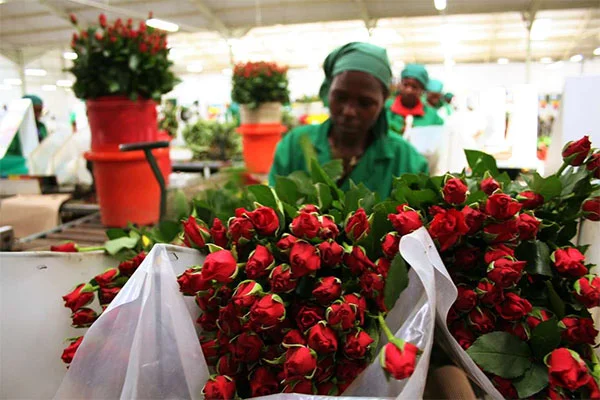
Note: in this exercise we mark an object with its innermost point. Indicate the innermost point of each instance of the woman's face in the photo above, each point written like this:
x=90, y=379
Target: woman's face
x=355, y=102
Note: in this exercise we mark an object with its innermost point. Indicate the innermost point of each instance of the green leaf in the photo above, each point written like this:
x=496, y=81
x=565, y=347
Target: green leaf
x=571, y=178
x=134, y=61
x=324, y=196
x=558, y=305
x=115, y=233
x=368, y=201
x=534, y=380
x=396, y=281
x=502, y=354
x=114, y=246
x=544, y=338
x=113, y=87
x=181, y=205
x=567, y=232
x=303, y=183
x=548, y=187
x=263, y=195
x=476, y=197
x=168, y=231
x=334, y=169
x=537, y=255
x=353, y=196
x=308, y=150
x=374, y=331
x=286, y=189
x=481, y=163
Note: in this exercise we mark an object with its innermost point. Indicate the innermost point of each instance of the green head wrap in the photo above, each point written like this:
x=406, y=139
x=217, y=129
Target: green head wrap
x=435, y=86
x=363, y=57
x=416, y=71
x=448, y=96
x=34, y=99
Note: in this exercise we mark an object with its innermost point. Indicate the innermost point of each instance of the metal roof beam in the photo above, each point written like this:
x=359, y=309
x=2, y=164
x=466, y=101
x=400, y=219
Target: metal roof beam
x=581, y=33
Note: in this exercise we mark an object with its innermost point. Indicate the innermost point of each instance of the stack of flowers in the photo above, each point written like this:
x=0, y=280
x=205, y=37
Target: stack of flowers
x=255, y=83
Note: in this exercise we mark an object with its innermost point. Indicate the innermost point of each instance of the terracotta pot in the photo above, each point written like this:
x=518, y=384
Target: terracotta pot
x=259, y=142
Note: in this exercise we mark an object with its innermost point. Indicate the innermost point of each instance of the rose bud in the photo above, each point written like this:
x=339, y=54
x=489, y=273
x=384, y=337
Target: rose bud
x=325, y=368
x=102, y=20
x=530, y=200
x=208, y=322
x=463, y=334
x=575, y=153
x=537, y=316
x=399, y=361
x=220, y=267
x=465, y=300
x=241, y=230
x=505, y=387
x=328, y=389
x=359, y=303
x=286, y=242
x=281, y=280
x=566, y=369
x=106, y=295
x=265, y=221
x=300, y=362
x=593, y=165
x=322, y=338
x=593, y=389
x=358, y=342
x=107, y=278
x=73, y=19
x=528, y=226
x=81, y=296
x=357, y=261
x=191, y=281
x=587, y=291
x=247, y=347
x=569, y=261
x=305, y=225
x=331, y=253
x=267, y=312
x=578, y=330
x=310, y=208
x=448, y=227
x=390, y=245
x=474, y=219
x=452, y=316
x=127, y=268
x=304, y=259
x=347, y=370
x=302, y=386
x=194, y=235
x=501, y=206
x=518, y=329
x=513, y=307
x=210, y=349
x=489, y=294
x=329, y=229
x=455, y=191
x=293, y=337
x=218, y=232
x=69, y=352
x=219, y=387
x=68, y=247
x=505, y=272
x=341, y=316
x=371, y=284
x=382, y=267
x=467, y=258
x=406, y=220
x=481, y=320
x=489, y=185
x=327, y=290
x=308, y=316
x=496, y=252
x=357, y=226
x=260, y=262
x=227, y=365
x=502, y=232
x=246, y=293
x=263, y=382
x=591, y=208
x=84, y=317
x=229, y=321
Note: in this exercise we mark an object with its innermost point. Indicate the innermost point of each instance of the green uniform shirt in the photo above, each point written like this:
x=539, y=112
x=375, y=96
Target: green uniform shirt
x=396, y=121
x=13, y=162
x=387, y=157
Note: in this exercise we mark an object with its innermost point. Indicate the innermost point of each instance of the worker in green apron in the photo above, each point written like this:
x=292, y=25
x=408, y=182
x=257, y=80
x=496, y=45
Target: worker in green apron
x=13, y=162
x=357, y=78
x=435, y=98
x=407, y=106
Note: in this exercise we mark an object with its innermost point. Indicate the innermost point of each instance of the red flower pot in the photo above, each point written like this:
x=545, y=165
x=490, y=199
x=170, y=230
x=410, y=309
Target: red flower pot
x=259, y=142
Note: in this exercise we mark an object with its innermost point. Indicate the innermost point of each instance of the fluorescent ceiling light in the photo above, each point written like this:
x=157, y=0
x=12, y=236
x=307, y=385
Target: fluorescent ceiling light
x=195, y=67
x=597, y=51
x=69, y=55
x=541, y=29
x=13, y=81
x=546, y=60
x=36, y=72
x=64, y=83
x=439, y=4
x=503, y=60
x=49, y=88
x=577, y=58
x=162, y=25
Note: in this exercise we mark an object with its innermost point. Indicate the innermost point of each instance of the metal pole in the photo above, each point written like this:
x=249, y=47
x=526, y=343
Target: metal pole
x=528, y=59
x=21, y=65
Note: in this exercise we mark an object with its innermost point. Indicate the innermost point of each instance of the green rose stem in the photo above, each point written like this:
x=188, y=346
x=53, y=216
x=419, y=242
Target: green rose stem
x=562, y=168
x=88, y=249
x=390, y=336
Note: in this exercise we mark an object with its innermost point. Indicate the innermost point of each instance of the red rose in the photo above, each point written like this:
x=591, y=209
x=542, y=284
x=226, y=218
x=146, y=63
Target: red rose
x=474, y=219
x=281, y=279
x=591, y=208
x=259, y=262
x=81, y=296
x=517, y=329
x=219, y=388
x=382, y=266
x=286, y=242
x=219, y=266
x=303, y=386
x=463, y=335
x=448, y=227
x=268, y=311
x=502, y=232
x=310, y=208
x=210, y=349
x=84, y=317
x=489, y=186
x=569, y=261
x=575, y=153
x=241, y=230
x=341, y=315
x=229, y=321
x=194, y=235
x=496, y=252
x=530, y=200
x=465, y=300
x=106, y=295
x=593, y=389
x=489, y=294
x=218, y=232
x=325, y=368
x=537, y=316
x=399, y=362
x=357, y=344
x=357, y=261
x=328, y=389
x=102, y=20
x=359, y=303
x=528, y=226
x=371, y=284
x=406, y=220
x=265, y=221
x=357, y=225
x=322, y=339
x=578, y=330
x=107, y=278
x=587, y=291
x=505, y=272
x=305, y=225
x=501, y=206
x=593, y=165
x=68, y=247
x=227, y=365
x=127, y=268
x=191, y=281
x=513, y=307
x=482, y=320
x=247, y=347
x=294, y=336
x=327, y=290
x=304, y=259
x=208, y=322
x=263, y=382
x=73, y=19
x=567, y=370
x=467, y=258
x=308, y=316
x=505, y=387
x=329, y=229
x=300, y=362
x=246, y=294
x=390, y=245
x=348, y=370
x=452, y=316
x=208, y=301
x=455, y=191
x=331, y=253
x=69, y=352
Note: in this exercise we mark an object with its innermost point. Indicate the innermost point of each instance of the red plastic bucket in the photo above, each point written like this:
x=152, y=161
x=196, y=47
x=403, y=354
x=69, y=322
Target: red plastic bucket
x=126, y=187
x=259, y=142
x=116, y=120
